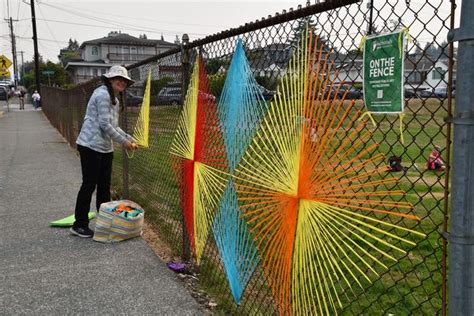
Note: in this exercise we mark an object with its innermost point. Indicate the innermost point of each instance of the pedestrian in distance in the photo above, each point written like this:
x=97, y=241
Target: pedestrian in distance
x=94, y=143
x=21, y=96
x=36, y=99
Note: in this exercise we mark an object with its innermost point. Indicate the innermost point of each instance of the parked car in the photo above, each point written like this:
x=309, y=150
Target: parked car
x=3, y=93
x=132, y=100
x=168, y=96
x=352, y=92
x=409, y=93
x=441, y=92
x=427, y=93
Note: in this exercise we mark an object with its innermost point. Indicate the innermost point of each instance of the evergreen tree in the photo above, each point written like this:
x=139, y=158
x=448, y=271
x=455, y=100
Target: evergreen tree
x=73, y=45
x=302, y=25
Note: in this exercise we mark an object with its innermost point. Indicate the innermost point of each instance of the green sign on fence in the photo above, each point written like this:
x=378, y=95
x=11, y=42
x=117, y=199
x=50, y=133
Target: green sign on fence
x=383, y=73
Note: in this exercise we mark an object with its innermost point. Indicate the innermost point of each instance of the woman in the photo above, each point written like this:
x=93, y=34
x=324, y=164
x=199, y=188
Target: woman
x=95, y=147
x=36, y=99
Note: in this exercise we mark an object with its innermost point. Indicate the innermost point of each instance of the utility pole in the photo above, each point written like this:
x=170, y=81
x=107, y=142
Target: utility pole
x=35, y=43
x=461, y=236
x=15, y=65
x=22, y=65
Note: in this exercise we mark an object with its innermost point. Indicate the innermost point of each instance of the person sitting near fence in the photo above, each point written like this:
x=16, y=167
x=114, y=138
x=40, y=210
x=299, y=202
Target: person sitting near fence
x=395, y=164
x=95, y=147
x=435, y=162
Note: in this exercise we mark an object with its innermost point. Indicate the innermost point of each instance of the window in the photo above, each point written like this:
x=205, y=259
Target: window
x=414, y=77
x=438, y=73
x=133, y=53
x=95, y=72
x=125, y=53
x=103, y=71
x=95, y=50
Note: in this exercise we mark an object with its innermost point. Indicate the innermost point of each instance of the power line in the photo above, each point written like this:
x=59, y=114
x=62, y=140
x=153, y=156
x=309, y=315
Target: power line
x=47, y=25
x=123, y=28
x=150, y=20
x=115, y=24
x=18, y=11
x=26, y=30
x=41, y=39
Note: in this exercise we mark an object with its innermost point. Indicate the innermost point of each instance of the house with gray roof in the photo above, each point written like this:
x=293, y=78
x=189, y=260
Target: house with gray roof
x=117, y=48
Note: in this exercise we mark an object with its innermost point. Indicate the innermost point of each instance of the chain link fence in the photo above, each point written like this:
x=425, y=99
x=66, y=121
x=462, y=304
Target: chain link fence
x=416, y=282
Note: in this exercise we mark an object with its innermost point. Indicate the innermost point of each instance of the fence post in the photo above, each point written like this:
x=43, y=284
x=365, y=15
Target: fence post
x=461, y=237
x=125, y=178
x=185, y=67
x=370, y=5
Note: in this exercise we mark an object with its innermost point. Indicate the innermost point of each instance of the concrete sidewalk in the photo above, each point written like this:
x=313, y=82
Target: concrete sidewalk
x=46, y=270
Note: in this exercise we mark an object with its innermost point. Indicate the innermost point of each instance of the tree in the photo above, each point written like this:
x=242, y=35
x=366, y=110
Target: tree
x=216, y=84
x=70, y=52
x=73, y=45
x=213, y=65
x=57, y=77
x=355, y=53
x=157, y=85
x=431, y=50
x=304, y=24
x=444, y=49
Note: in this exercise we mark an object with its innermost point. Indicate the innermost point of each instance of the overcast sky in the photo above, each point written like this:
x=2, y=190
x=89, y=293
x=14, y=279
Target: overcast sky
x=59, y=20
x=94, y=19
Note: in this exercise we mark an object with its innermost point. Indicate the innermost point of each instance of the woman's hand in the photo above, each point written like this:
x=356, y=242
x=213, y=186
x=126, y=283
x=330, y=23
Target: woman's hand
x=130, y=145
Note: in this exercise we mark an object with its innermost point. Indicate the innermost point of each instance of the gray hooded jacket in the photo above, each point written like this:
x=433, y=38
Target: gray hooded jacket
x=100, y=125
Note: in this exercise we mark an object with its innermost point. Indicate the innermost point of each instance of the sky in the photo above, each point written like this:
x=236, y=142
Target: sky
x=59, y=20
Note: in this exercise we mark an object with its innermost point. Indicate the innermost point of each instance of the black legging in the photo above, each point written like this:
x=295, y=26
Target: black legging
x=96, y=171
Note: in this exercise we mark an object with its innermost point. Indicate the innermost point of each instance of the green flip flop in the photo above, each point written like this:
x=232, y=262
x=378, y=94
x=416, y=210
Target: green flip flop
x=68, y=221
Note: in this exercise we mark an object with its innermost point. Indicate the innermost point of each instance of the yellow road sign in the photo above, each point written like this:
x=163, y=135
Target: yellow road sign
x=4, y=73
x=5, y=63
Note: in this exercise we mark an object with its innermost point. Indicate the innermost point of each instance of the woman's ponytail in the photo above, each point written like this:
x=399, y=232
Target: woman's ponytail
x=107, y=83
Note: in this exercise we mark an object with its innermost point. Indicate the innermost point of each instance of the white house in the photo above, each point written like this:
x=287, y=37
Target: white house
x=349, y=71
x=420, y=72
x=437, y=76
x=116, y=48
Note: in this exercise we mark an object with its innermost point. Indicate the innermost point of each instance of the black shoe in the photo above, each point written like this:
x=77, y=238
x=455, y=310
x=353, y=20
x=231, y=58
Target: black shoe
x=83, y=232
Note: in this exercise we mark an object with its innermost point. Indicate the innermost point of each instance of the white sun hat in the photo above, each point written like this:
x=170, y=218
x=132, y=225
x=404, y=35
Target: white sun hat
x=119, y=71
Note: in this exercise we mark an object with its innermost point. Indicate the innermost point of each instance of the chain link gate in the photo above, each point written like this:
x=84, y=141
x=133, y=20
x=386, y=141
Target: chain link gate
x=416, y=283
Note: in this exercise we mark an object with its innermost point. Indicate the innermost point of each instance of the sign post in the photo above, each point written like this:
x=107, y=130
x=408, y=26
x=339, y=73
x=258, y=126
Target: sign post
x=5, y=63
x=5, y=73
x=48, y=73
x=383, y=73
